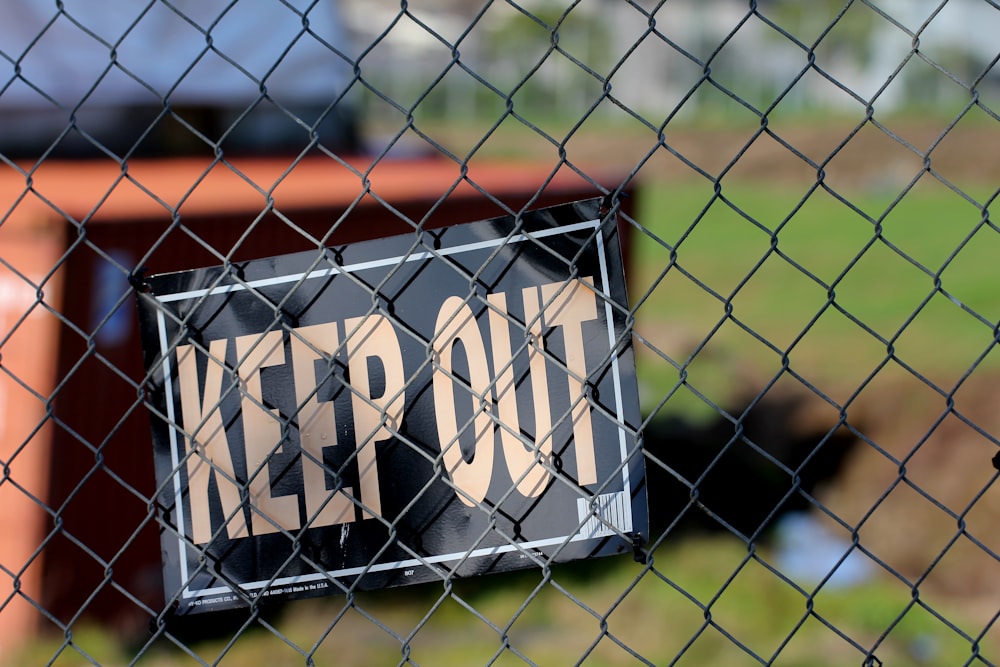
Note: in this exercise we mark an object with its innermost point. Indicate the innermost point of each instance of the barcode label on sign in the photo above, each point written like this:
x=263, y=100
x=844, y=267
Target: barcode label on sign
x=611, y=513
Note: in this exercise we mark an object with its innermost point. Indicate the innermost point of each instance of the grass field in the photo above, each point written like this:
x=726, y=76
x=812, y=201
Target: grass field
x=737, y=286
x=707, y=603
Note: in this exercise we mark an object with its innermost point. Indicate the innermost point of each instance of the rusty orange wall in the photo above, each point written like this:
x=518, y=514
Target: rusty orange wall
x=28, y=339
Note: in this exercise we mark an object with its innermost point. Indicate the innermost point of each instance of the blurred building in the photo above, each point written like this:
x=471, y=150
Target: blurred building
x=79, y=77
x=806, y=56
x=260, y=77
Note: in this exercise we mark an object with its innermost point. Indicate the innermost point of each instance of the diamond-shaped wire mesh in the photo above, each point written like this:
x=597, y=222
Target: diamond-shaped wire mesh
x=805, y=195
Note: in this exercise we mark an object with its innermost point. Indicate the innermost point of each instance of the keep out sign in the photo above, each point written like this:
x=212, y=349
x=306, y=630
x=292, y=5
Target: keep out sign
x=442, y=404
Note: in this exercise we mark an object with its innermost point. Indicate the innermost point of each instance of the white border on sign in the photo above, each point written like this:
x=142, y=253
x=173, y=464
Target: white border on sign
x=174, y=433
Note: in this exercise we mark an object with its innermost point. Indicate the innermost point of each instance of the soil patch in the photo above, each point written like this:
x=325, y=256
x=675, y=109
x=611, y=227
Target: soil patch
x=906, y=473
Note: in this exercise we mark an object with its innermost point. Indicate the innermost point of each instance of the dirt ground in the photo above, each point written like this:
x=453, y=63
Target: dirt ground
x=918, y=488
x=844, y=154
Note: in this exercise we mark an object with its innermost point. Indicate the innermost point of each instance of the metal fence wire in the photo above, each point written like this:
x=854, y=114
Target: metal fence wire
x=802, y=194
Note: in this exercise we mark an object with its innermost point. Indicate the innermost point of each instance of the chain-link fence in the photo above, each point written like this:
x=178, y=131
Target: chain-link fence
x=334, y=386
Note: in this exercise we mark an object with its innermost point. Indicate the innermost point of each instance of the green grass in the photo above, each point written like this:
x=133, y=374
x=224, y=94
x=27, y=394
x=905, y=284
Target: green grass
x=707, y=601
x=742, y=285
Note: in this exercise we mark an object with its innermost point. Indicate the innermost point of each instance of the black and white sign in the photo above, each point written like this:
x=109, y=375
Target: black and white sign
x=448, y=403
